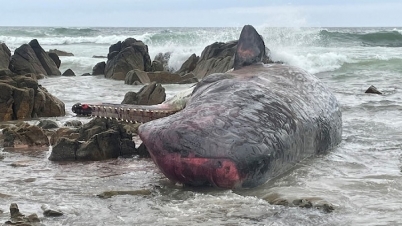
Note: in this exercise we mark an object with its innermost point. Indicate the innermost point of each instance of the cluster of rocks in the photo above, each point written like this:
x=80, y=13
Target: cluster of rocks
x=100, y=139
x=17, y=218
x=129, y=60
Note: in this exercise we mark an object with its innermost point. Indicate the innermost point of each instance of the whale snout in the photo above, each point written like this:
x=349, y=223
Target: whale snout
x=199, y=171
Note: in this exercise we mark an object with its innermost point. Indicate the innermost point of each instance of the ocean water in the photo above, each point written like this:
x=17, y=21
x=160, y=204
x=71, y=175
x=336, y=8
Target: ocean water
x=361, y=177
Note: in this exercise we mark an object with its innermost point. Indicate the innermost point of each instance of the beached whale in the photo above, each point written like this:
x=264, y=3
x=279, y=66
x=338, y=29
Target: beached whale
x=241, y=128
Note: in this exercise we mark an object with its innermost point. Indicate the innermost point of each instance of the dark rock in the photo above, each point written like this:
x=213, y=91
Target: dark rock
x=17, y=218
x=115, y=47
x=164, y=59
x=60, y=52
x=25, y=135
x=73, y=123
x=22, y=98
x=69, y=72
x=133, y=55
x=55, y=59
x=373, y=90
x=47, y=105
x=138, y=76
x=99, y=68
x=157, y=66
x=142, y=151
x=109, y=194
x=148, y=95
x=64, y=150
x=86, y=74
x=5, y=55
x=189, y=65
x=47, y=63
x=5, y=72
x=112, y=55
x=48, y=124
x=63, y=132
x=94, y=56
x=99, y=139
x=25, y=61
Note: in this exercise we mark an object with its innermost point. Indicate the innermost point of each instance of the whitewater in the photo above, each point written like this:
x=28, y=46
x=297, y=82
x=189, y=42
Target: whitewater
x=361, y=177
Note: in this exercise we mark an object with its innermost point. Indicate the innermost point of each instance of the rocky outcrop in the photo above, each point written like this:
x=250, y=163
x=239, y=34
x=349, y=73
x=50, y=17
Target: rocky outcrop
x=22, y=98
x=189, y=65
x=164, y=77
x=5, y=55
x=219, y=58
x=148, y=95
x=126, y=56
x=25, y=61
x=55, y=59
x=68, y=72
x=25, y=135
x=100, y=139
x=31, y=58
x=17, y=218
x=99, y=68
x=60, y=52
x=48, y=64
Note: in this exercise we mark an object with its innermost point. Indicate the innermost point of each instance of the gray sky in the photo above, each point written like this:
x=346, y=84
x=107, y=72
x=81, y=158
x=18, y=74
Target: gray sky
x=201, y=13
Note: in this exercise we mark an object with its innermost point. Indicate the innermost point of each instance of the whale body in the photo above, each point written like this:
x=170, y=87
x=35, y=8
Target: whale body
x=242, y=128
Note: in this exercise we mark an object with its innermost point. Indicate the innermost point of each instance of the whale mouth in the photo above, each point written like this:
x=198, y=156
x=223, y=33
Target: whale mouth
x=199, y=171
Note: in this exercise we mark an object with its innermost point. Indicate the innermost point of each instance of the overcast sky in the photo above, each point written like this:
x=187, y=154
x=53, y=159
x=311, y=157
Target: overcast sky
x=201, y=13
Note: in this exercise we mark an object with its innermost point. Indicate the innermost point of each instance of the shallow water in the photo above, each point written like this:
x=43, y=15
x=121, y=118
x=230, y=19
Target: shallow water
x=361, y=177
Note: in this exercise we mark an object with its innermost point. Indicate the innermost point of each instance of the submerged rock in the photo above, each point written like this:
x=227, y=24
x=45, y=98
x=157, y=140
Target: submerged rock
x=68, y=72
x=20, y=219
x=48, y=124
x=109, y=194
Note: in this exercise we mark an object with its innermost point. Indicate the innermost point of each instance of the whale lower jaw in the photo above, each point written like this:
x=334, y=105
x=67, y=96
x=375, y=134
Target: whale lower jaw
x=199, y=171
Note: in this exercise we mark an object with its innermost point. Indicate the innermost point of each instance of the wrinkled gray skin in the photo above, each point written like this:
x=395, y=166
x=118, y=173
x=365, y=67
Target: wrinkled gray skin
x=263, y=118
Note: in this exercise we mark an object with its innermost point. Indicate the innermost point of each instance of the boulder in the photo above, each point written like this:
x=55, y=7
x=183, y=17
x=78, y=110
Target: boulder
x=48, y=124
x=99, y=139
x=219, y=58
x=63, y=132
x=25, y=135
x=133, y=55
x=189, y=65
x=47, y=63
x=5, y=55
x=157, y=66
x=68, y=72
x=136, y=76
x=164, y=59
x=55, y=59
x=373, y=90
x=60, y=52
x=99, y=68
x=115, y=47
x=22, y=98
x=163, y=77
x=25, y=61
x=47, y=105
x=148, y=95
x=73, y=123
